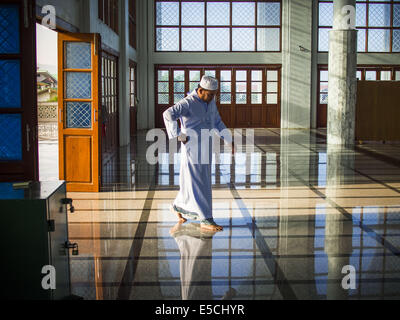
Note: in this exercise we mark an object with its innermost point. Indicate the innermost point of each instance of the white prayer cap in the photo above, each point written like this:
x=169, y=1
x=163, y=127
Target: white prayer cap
x=209, y=83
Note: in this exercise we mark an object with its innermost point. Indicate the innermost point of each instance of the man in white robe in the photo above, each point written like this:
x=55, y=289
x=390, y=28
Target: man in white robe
x=198, y=115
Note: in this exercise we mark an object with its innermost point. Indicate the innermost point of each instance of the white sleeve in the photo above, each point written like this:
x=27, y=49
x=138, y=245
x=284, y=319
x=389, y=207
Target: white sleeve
x=171, y=117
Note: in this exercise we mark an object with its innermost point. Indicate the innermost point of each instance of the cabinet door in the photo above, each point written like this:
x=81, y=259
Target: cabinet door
x=18, y=106
x=57, y=212
x=78, y=103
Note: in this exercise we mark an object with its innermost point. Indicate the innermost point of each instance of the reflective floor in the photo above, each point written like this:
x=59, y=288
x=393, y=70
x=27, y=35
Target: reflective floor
x=300, y=219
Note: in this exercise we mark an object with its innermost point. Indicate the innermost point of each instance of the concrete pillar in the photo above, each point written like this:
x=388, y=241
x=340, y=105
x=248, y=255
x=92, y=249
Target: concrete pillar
x=342, y=75
x=124, y=86
x=296, y=64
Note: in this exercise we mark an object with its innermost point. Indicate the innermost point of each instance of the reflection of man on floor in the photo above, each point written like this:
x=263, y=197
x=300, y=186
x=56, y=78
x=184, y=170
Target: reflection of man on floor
x=197, y=112
x=195, y=246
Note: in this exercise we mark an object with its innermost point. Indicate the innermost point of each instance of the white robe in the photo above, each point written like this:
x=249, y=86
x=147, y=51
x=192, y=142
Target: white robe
x=195, y=194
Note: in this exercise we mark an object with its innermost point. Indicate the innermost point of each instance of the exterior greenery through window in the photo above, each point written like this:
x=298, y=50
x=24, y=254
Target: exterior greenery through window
x=218, y=26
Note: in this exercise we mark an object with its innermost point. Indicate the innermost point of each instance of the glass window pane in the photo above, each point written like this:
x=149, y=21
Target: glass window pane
x=10, y=84
x=396, y=41
x=163, y=75
x=192, y=39
x=269, y=14
x=178, y=97
x=361, y=14
x=226, y=75
x=397, y=75
x=218, y=39
x=324, y=75
x=241, y=86
x=243, y=14
x=268, y=39
x=241, y=98
x=326, y=14
x=323, y=87
x=218, y=13
x=370, y=75
x=272, y=98
x=323, y=98
x=386, y=75
x=78, y=85
x=256, y=87
x=243, y=39
x=167, y=13
x=323, y=39
x=10, y=137
x=163, y=87
x=272, y=75
x=272, y=86
x=193, y=13
x=179, y=75
x=256, y=75
x=378, y=40
x=361, y=41
x=225, y=99
x=193, y=86
x=359, y=75
x=396, y=15
x=78, y=55
x=194, y=75
x=163, y=99
x=79, y=115
x=256, y=98
x=179, y=87
x=241, y=75
x=167, y=39
x=210, y=73
x=226, y=86
x=9, y=29
x=379, y=15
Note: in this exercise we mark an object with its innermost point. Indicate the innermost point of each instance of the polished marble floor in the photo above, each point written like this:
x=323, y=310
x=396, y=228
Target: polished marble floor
x=294, y=211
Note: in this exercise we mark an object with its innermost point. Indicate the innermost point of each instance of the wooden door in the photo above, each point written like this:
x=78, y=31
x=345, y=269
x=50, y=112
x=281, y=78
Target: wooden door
x=18, y=105
x=79, y=92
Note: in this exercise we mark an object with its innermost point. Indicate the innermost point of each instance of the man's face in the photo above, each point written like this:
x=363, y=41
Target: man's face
x=206, y=95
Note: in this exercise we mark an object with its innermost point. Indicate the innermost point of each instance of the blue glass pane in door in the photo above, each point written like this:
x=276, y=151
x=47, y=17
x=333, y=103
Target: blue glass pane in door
x=10, y=137
x=79, y=85
x=79, y=115
x=10, y=84
x=78, y=55
x=9, y=29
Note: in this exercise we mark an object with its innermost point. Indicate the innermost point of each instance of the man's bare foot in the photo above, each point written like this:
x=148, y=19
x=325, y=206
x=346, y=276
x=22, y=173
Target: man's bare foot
x=181, y=219
x=212, y=228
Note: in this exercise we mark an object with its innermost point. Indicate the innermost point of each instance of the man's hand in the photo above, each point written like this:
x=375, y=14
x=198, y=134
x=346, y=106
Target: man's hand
x=183, y=138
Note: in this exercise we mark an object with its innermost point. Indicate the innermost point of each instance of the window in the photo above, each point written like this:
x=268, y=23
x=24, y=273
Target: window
x=109, y=100
x=218, y=26
x=132, y=23
x=132, y=81
x=108, y=13
x=248, y=95
x=323, y=87
x=378, y=25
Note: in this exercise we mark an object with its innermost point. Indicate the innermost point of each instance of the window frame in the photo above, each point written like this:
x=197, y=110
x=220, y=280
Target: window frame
x=366, y=28
x=206, y=27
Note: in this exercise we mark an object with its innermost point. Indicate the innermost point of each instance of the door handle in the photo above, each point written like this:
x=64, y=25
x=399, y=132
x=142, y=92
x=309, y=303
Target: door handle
x=61, y=115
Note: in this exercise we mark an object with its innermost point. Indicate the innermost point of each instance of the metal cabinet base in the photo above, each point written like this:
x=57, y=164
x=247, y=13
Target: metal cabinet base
x=33, y=238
